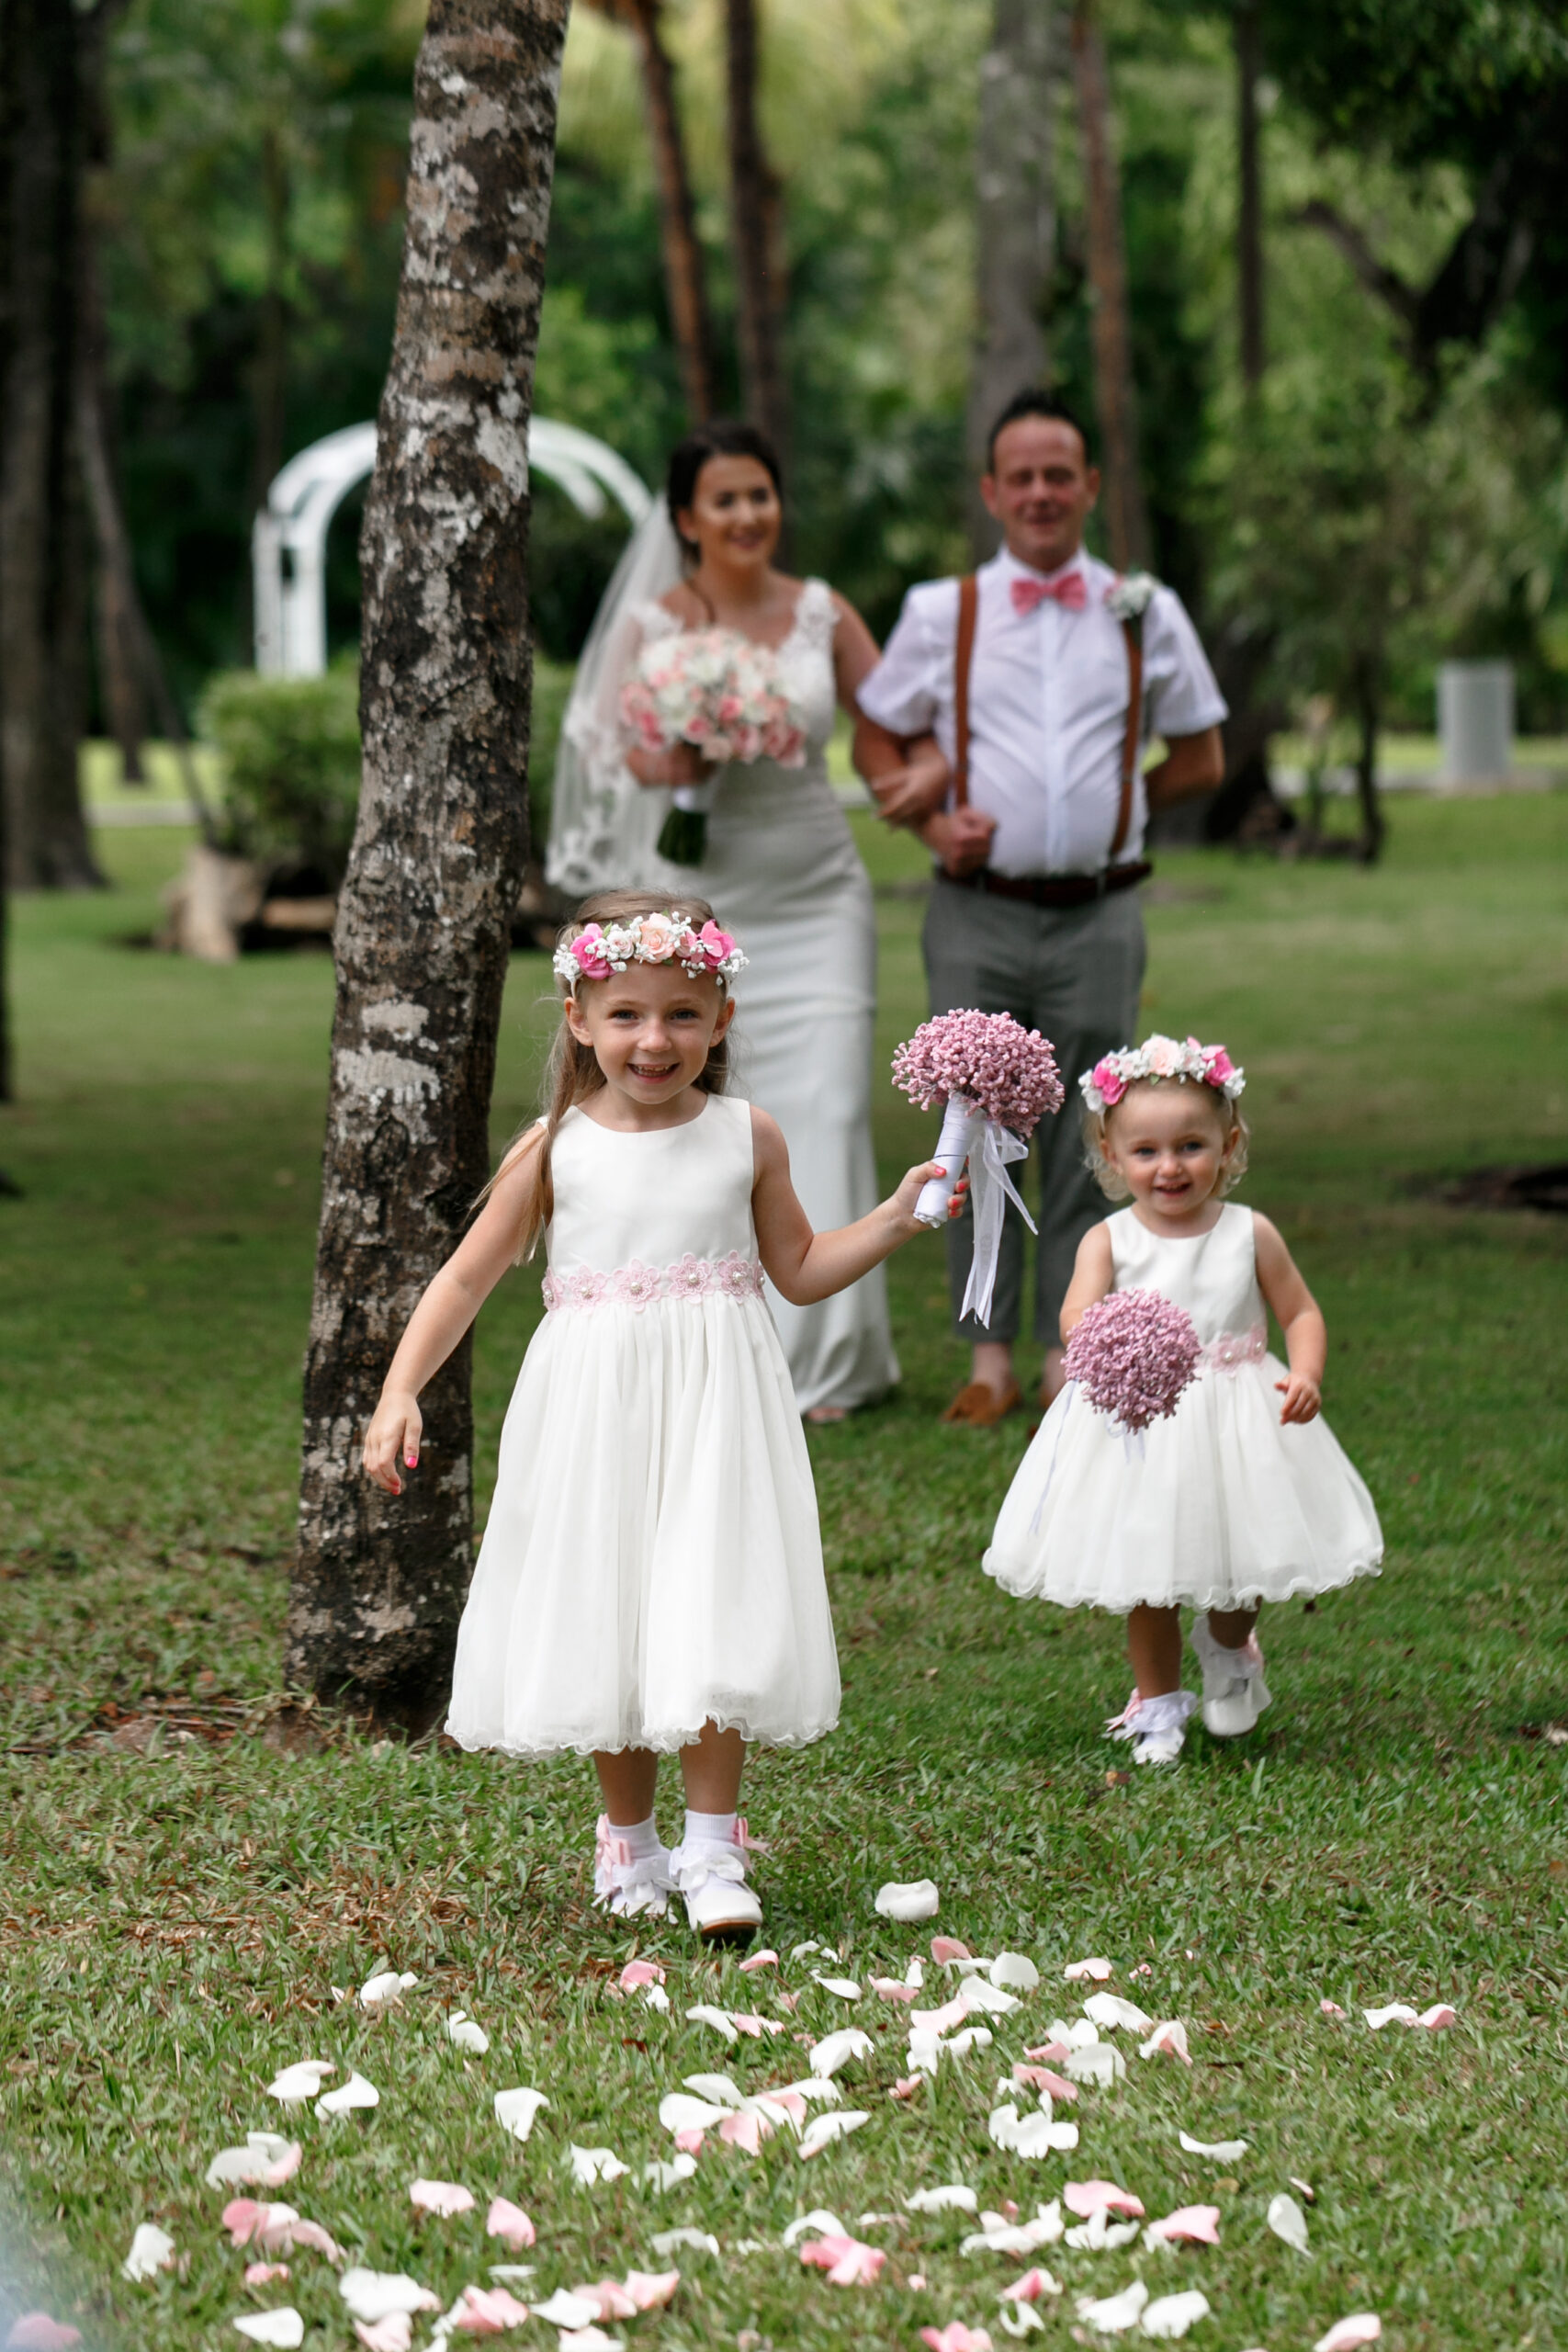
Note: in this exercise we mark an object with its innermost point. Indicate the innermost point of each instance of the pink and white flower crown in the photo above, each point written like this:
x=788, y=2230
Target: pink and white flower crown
x=1185, y=1061
x=596, y=951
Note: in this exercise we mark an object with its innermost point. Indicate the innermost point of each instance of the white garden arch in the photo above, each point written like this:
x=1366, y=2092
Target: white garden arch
x=290, y=540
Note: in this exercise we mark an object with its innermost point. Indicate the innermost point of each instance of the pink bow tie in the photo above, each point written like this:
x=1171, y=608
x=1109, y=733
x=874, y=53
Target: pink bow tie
x=1068, y=590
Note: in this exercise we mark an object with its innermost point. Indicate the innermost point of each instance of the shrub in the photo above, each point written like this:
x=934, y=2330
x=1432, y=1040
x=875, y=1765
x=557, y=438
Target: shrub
x=290, y=755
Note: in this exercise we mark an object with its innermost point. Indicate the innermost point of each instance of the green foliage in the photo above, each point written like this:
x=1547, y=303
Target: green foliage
x=552, y=685
x=290, y=762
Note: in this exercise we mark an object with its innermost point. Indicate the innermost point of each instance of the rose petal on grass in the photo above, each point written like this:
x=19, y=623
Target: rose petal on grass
x=609, y=2299
x=375, y=2295
x=977, y=1992
x=908, y=1899
x=844, y=1987
x=1021, y=2320
x=1015, y=1971
x=1050, y=2054
x=1030, y=2136
x=488, y=2311
x=589, y=2339
x=823, y=2129
x=1110, y=2009
x=1287, y=2221
x=889, y=1988
x=515, y=2111
x=151, y=2250
x=680, y=2112
x=847, y=2261
x=1113, y=2315
x=380, y=1992
x=639, y=1972
x=1331, y=2009
x=1030, y=2287
x=1095, y=2063
x=1097, y=1970
x=650, y=2290
x=509, y=2222
x=1087, y=2197
x=999, y=2233
x=939, y=2021
x=668, y=2239
x=756, y=1959
x=393, y=2334
x=1439, y=2015
x=906, y=2086
x=283, y=2327
x=1174, y=2314
x=300, y=2082
x=443, y=2197
x=1042, y=2079
x=836, y=2050
x=945, y=1947
x=956, y=2337
x=465, y=2034
x=590, y=2165
x=704, y=2013
x=266, y=2161
x=37, y=2332
x=1224, y=2152
x=654, y=1996
x=565, y=2311
x=262, y=2274
x=953, y=2197
x=1099, y=2234
x=746, y=2133
x=819, y=2219
x=1189, y=2224
x=660, y=2177
x=804, y=1952
x=1396, y=2013
x=1167, y=2039
x=717, y=2088
x=1345, y=2334
x=355, y=2093
x=747, y=2021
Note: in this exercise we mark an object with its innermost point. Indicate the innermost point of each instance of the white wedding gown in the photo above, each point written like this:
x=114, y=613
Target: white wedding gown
x=783, y=873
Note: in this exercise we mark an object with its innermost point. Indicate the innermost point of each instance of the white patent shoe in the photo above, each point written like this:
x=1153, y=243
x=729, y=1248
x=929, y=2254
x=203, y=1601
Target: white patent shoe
x=720, y=1905
x=1156, y=1727
x=625, y=1884
x=1234, y=1693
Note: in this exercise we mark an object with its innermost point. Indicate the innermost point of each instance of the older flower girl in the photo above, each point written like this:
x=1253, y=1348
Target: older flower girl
x=1235, y=1499
x=651, y=1578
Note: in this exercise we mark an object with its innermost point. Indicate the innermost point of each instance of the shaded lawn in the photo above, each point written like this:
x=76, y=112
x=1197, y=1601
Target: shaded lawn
x=171, y=1924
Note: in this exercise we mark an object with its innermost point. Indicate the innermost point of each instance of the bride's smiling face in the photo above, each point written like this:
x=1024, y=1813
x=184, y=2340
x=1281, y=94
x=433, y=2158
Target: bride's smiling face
x=735, y=516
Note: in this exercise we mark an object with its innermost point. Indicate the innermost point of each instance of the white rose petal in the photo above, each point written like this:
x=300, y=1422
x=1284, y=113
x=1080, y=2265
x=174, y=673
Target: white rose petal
x=955, y=2198
x=1098, y=2063
x=818, y=2223
x=823, y=2129
x=669, y=2241
x=1174, y=2314
x=1015, y=1971
x=462, y=2031
x=591, y=2165
x=916, y=1899
x=300, y=2082
x=1347, y=2334
x=283, y=2327
x=1224, y=2152
x=661, y=2177
x=565, y=2311
x=373, y=2295
x=356, y=2092
x=443, y=2197
x=377, y=1992
x=515, y=2111
x=836, y=2050
x=1287, y=2221
x=704, y=2013
x=844, y=1987
x=151, y=2250
x=1397, y=2013
x=1114, y=2314
x=1111, y=2009
x=1097, y=1970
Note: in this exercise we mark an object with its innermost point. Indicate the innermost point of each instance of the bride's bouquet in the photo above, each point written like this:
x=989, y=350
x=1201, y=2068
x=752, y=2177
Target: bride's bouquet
x=724, y=696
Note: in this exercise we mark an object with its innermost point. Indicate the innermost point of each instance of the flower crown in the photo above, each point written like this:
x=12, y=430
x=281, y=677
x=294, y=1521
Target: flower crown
x=596, y=952
x=1156, y=1057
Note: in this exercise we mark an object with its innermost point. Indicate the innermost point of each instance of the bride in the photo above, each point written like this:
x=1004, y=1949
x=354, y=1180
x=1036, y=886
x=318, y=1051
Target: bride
x=781, y=865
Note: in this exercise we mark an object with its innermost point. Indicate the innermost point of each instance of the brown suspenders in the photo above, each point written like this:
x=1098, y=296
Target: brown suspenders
x=963, y=657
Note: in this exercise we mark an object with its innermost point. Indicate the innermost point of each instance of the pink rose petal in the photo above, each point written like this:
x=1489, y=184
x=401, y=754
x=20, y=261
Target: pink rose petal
x=1041, y=2079
x=956, y=2337
x=888, y=1988
x=1331, y=2009
x=690, y=2141
x=746, y=2132
x=1050, y=2054
x=649, y=2290
x=1195, y=2224
x=509, y=2222
x=1345, y=2334
x=759, y=1960
x=1029, y=2288
x=609, y=2297
x=1086, y=2197
x=1439, y=2015
x=847, y=2262
x=36, y=2332
x=1097, y=1970
x=262, y=2274
x=441, y=2196
x=488, y=2310
x=906, y=2086
x=1169, y=2038
x=949, y=1948
x=639, y=1972
x=393, y=2334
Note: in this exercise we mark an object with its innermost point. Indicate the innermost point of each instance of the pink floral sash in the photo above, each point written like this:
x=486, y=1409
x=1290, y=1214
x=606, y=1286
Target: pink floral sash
x=735, y=1276
x=1233, y=1349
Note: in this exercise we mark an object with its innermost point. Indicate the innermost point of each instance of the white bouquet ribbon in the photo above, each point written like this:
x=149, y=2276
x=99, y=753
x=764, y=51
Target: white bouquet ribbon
x=990, y=1148
x=694, y=799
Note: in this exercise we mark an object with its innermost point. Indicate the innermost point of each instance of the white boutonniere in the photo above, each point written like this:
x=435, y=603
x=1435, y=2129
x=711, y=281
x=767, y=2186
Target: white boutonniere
x=1128, y=598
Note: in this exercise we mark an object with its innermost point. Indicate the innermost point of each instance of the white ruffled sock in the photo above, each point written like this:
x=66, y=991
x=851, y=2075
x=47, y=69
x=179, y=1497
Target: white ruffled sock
x=642, y=1837
x=708, y=1828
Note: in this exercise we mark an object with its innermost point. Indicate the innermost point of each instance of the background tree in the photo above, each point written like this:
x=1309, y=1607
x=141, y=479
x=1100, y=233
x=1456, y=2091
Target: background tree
x=1015, y=227
x=424, y=918
x=755, y=233
x=1115, y=394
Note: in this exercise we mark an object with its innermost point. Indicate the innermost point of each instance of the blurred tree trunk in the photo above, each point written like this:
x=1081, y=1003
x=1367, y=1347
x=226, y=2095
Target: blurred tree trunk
x=425, y=915
x=1116, y=404
x=685, y=271
x=1249, y=193
x=43, y=564
x=755, y=233
x=1015, y=229
x=1366, y=697
x=269, y=364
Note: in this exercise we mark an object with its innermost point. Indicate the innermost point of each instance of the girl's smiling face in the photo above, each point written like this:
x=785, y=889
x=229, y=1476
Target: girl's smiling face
x=1172, y=1144
x=651, y=1029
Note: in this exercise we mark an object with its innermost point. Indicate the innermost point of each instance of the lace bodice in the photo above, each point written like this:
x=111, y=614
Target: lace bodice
x=805, y=659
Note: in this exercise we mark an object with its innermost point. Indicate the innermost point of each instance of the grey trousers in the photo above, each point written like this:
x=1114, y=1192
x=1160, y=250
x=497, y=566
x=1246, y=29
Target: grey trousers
x=1075, y=973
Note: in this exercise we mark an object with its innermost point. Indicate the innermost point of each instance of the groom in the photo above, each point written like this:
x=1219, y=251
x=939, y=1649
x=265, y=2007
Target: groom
x=1041, y=697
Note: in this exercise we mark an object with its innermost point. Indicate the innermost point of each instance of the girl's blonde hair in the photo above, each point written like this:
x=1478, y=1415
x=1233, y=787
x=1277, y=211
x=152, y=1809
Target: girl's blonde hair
x=572, y=1075
x=1112, y=1181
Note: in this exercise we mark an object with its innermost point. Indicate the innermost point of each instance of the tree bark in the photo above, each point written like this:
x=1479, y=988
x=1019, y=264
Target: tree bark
x=1015, y=229
x=1249, y=193
x=755, y=230
x=425, y=918
x=685, y=269
x=43, y=568
x=1116, y=404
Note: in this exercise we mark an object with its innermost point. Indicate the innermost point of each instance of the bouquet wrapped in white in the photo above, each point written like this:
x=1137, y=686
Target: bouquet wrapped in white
x=721, y=694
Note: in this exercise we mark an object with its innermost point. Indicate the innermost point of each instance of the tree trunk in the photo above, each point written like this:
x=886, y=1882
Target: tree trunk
x=685, y=270
x=425, y=915
x=1367, y=695
x=1249, y=193
x=754, y=229
x=43, y=598
x=1015, y=229
x=1116, y=405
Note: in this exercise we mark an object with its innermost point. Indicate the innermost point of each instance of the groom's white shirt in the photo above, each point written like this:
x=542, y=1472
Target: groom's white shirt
x=1048, y=707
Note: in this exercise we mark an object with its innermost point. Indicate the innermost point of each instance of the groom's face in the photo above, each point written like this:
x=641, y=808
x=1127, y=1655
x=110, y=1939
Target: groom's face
x=1040, y=489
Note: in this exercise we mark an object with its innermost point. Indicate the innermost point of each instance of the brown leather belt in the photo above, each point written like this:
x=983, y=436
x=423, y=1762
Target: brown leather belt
x=1051, y=889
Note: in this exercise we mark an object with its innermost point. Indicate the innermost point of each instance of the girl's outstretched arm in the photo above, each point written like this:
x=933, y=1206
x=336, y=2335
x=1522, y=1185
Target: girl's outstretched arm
x=443, y=1315
x=1300, y=1318
x=1094, y=1278
x=803, y=1266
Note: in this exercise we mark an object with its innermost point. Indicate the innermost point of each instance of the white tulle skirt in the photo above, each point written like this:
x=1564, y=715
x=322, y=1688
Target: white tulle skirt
x=1218, y=1506
x=652, y=1560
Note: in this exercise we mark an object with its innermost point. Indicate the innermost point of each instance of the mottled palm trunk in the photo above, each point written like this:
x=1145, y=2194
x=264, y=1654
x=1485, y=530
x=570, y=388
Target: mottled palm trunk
x=1015, y=227
x=1116, y=405
x=754, y=231
x=685, y=271
x=425, y=920
x=43, y=568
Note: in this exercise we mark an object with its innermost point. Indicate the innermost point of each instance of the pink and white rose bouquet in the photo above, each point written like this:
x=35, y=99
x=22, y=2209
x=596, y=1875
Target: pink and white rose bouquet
x=723, y=694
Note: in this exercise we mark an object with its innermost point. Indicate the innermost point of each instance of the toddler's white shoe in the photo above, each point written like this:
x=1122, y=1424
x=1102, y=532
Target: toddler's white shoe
x=1156, y=1727
x=1234, y=1693
x=626, y=1882
x=720, y=1906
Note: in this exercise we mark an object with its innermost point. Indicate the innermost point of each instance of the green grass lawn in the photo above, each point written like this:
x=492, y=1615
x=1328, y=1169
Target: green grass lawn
x=174, y=1910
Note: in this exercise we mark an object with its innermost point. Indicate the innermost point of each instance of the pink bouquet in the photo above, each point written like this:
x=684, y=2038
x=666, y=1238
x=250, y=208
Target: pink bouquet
x=724, y=696
x=998, y=1080
x=1133, y=1354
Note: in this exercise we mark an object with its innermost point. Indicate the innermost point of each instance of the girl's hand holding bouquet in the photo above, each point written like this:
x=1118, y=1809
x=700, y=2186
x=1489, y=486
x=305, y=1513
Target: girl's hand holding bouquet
x=721, y=695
